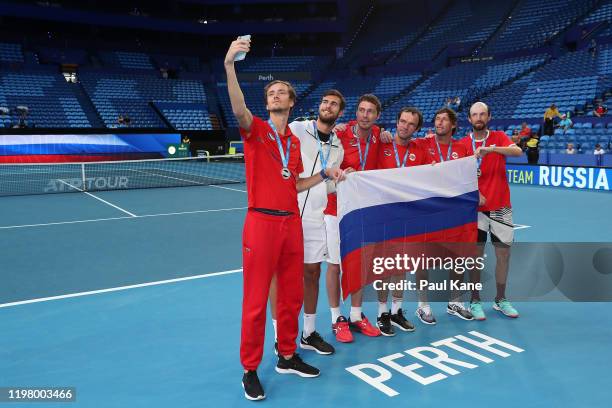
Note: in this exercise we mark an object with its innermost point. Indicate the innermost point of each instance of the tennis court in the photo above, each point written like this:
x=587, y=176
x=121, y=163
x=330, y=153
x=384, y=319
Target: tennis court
x=134, y=298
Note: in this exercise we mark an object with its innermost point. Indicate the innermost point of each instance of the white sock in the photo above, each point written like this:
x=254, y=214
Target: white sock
x=355, y=314
x=460, y=304
x=423, y=304
x=382, y=308
x=335, y=314
x=309, y=324
x=275, y=331
x=396, y=304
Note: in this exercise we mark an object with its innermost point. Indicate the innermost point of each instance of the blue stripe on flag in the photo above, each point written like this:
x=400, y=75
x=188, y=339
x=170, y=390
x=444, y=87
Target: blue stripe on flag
x=403, y=219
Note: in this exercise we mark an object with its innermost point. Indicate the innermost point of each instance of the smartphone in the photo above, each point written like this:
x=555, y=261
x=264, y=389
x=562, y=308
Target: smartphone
x=242, y=55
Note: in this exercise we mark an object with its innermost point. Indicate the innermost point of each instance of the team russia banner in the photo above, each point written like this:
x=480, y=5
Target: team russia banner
x=381, y=209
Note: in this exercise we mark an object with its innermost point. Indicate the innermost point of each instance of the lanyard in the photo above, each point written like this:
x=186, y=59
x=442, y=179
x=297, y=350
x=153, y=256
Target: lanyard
x=403, y=164
x=284, y=159
x=450, y=149
x=324, y=160
x=364, y=159
x=484, y=144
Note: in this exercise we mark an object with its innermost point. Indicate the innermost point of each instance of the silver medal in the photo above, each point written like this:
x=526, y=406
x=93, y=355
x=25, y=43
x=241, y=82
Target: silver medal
x=285, y=173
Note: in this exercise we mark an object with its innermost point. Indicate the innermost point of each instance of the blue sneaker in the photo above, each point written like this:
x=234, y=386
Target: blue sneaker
x=477, y=311
x=504, y=306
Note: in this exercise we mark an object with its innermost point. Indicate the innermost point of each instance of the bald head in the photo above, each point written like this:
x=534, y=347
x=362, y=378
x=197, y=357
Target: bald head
x=477, y=106
x=479, y=116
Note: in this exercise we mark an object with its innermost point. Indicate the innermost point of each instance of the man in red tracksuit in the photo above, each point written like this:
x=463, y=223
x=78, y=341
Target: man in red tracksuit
x=272, y=242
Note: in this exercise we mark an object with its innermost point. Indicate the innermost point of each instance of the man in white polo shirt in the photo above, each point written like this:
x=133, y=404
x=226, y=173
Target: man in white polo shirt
x=320, y=149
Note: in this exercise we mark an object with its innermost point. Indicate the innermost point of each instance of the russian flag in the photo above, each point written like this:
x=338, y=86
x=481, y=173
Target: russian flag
x=381, y=209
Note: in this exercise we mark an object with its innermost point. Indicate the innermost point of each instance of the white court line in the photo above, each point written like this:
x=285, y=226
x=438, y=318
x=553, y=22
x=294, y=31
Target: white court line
x=117, y=289
x=120, y=218
x=227, y=188
x=519, y=226
x=98, y=198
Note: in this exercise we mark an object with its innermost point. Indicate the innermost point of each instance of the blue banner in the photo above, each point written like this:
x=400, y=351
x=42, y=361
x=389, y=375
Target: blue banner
x=586, y=178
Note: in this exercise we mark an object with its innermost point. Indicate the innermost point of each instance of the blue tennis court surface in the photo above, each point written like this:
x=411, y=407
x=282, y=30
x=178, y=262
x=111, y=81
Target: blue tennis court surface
x=135, y=301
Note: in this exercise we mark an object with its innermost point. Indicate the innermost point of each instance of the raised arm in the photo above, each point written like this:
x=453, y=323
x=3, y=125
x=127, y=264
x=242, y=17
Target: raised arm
x=239, y=108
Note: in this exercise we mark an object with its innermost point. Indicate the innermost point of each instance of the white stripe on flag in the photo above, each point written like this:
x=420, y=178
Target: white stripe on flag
x=377, y=187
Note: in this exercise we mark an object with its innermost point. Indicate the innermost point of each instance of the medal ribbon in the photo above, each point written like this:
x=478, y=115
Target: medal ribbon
x=364, y=159
x=324, y=160
x=450, y=149
x=403, y=164
x=484, y=144
x=284, y=159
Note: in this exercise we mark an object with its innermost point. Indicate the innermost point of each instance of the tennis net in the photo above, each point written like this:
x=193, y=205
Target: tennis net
x=23, y=179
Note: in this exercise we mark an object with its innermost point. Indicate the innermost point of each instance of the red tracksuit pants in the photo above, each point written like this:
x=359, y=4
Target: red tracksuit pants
x=270, y=245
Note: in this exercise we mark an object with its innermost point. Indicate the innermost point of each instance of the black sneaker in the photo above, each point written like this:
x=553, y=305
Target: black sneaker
x=315, y=342
x=460, y=311
x=295, y=365
x=276, y=348
x=253, y=390
x=384, y=324
x=398, y=320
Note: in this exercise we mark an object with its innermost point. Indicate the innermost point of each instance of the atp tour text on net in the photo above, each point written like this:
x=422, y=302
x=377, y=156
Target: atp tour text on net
x=436, y=357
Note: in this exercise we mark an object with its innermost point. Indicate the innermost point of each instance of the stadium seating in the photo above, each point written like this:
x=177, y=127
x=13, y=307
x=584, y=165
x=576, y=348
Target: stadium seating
x=130, y=60
x=568, y=81
x=51, y=102
x=602, y=13
x=130, y=94
x=285, y=64
x=536, y=21
x=464, y=80
x=186, y=116
x=62, y=56
x=123, y=82
x=463, y=22
x=10, y=53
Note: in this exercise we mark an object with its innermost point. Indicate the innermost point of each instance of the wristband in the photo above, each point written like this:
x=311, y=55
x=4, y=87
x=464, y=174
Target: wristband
x=323, y=175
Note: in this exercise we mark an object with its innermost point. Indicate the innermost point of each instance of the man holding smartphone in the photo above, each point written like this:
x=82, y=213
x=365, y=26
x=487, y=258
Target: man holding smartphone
x=272, y=236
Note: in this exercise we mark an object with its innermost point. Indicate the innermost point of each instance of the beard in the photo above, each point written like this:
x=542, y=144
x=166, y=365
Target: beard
x=440, y=132
x=328, y=120
x=479, y=126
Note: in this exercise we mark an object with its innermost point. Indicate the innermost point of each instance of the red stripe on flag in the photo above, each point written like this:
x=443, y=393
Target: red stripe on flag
x=357, y=265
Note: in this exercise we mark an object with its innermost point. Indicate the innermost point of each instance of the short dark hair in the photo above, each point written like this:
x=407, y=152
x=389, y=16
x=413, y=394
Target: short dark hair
x=292, y=94
x=337, y=93
x=413, y=110
x=373, y=99
x=451, y=115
